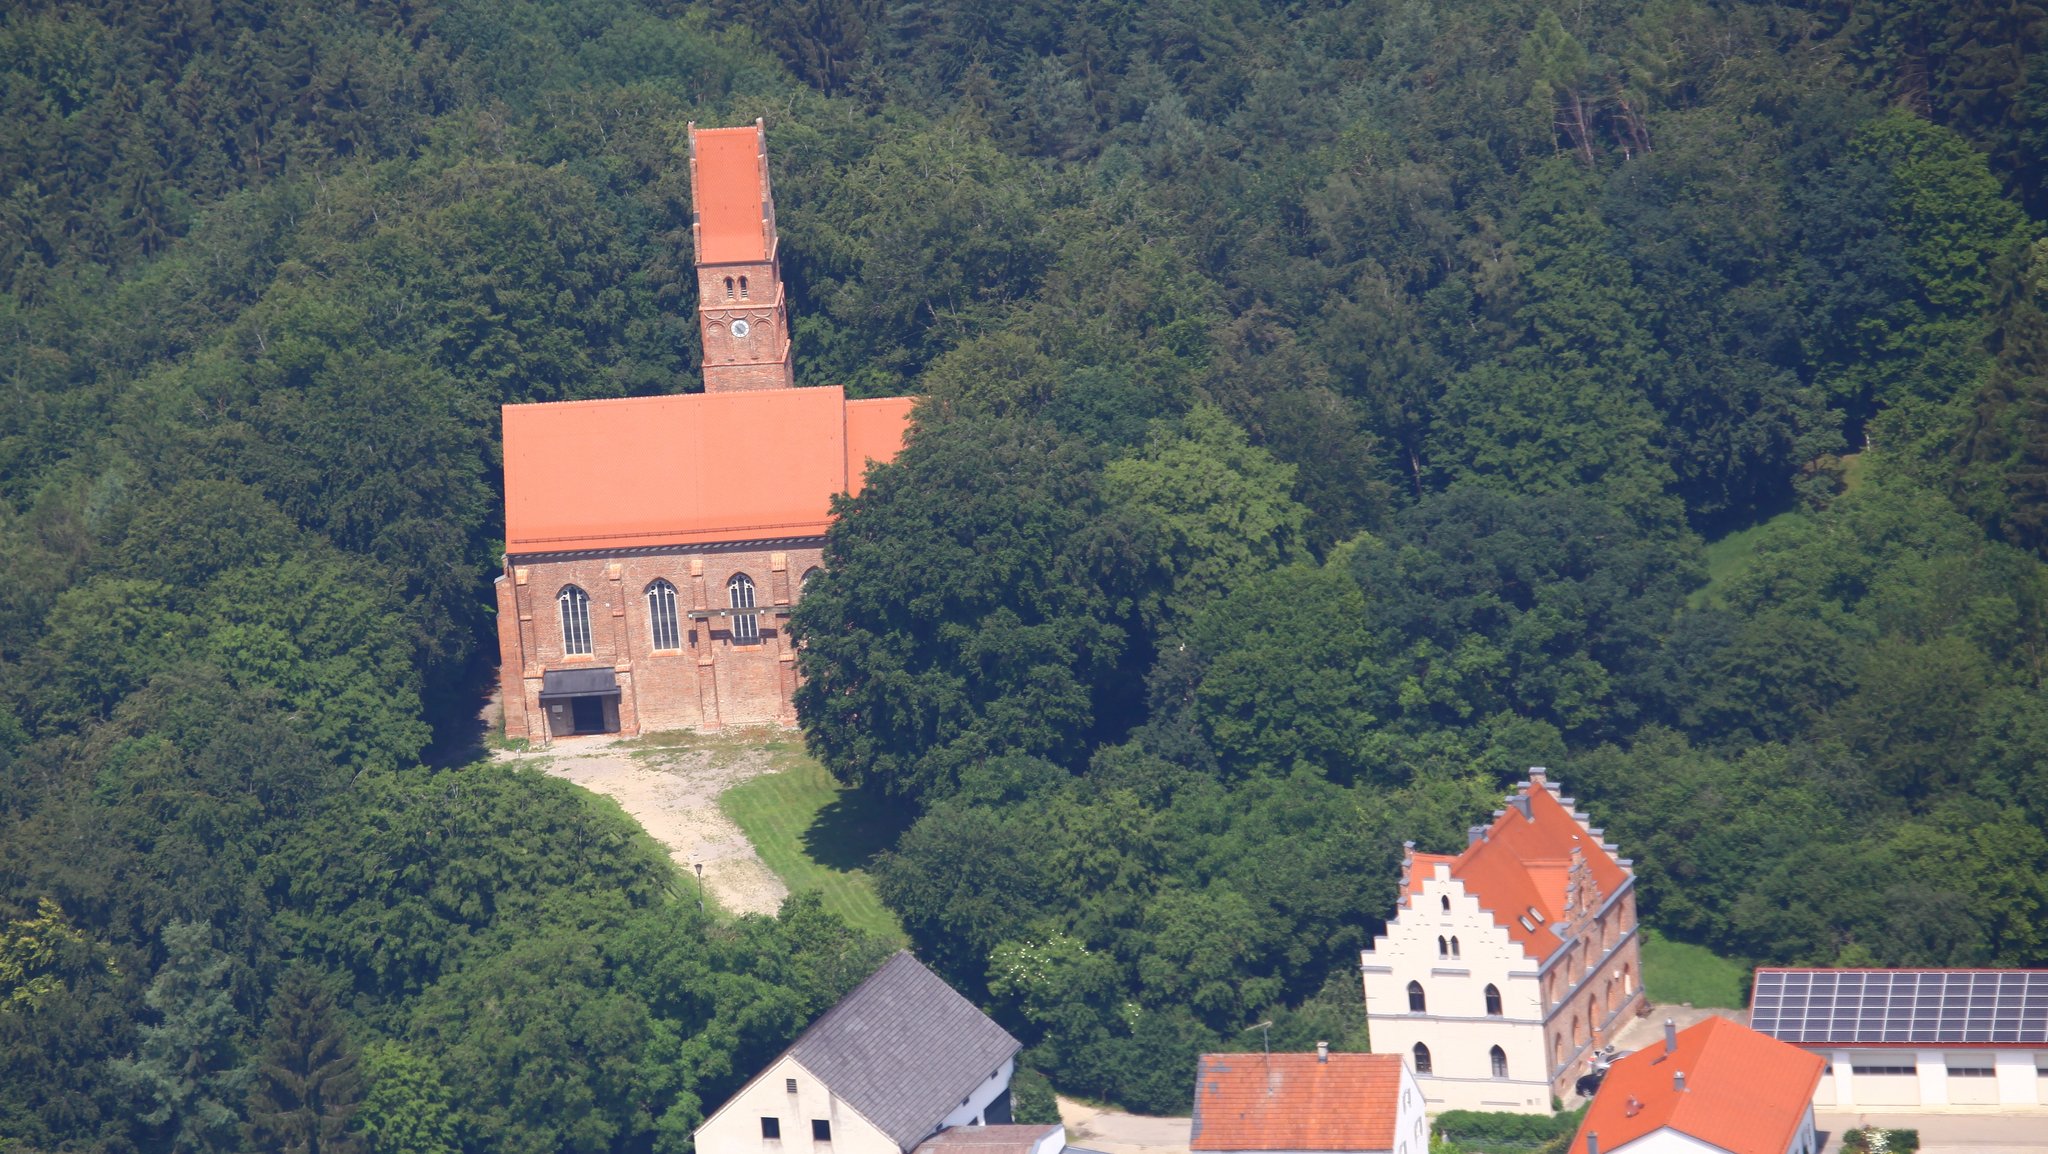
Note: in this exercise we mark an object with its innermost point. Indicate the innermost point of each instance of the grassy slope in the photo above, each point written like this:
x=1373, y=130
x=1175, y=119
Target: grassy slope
x=1678, y=972
x=816, y=835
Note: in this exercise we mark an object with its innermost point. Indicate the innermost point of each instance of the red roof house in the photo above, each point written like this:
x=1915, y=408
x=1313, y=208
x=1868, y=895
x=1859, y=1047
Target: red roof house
x=1719, y=1083
x=1307, y=1102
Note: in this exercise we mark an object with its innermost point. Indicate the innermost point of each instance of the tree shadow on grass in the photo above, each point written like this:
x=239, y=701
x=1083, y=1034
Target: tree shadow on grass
x=851, y=829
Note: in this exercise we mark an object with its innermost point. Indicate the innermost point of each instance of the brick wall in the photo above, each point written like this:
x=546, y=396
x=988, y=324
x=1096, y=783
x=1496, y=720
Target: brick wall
x=711, y=681
x=761, y=359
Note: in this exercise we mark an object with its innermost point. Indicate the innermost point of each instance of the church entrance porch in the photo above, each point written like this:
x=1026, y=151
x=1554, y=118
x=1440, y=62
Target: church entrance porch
x=579, y=701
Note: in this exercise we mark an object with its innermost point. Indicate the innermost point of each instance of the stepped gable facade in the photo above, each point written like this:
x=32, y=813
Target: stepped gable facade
x=654, y=546
x=1504, y=968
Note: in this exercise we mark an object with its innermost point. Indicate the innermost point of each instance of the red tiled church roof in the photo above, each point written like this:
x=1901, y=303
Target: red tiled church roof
x=1295, y=1102
x=730, y=195
x=1523, y=863
x=1744, y=1092
x=688, y=469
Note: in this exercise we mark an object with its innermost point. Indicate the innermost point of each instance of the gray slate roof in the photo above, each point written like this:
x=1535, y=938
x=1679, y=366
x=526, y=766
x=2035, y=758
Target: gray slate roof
x=903, y=1048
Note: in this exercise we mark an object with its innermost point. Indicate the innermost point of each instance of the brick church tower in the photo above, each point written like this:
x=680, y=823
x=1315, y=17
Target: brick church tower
x=739, y=274
x=656, y=546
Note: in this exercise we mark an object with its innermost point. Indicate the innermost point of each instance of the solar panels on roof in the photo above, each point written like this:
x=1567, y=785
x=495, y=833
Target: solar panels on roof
x=1902, y=1007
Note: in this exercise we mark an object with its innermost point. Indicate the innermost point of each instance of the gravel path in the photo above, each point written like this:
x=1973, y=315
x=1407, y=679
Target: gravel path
x=672, y=791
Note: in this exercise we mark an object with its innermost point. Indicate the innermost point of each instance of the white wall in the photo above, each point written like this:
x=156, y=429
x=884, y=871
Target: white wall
x=1456, y=1028
x=969, y=1113
x=736, y=1127
x=2013, y=1083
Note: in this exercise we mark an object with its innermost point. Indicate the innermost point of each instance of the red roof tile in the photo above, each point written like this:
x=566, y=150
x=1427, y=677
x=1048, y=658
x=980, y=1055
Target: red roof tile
x=1744, y=1092
x=730, y=193
x=1524, y=863
x=1294, y=1102
x=688, y=469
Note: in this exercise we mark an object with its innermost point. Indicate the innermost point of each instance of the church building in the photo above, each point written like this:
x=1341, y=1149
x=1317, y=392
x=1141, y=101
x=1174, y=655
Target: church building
x=654, y=546
x=1506, y=966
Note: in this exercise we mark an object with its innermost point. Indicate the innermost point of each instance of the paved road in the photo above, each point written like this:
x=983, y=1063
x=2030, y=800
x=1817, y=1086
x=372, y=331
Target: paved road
x=1952, y=1133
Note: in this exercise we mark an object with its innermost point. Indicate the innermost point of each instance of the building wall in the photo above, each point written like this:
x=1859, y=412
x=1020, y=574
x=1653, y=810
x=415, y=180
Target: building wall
x=972, y=1112
x=1411, y=1121
x=736, y=1126
x=1554, y=1013
x=759, y=360
x=1455, y=1026
x=2015, y=1080
x=712, y=681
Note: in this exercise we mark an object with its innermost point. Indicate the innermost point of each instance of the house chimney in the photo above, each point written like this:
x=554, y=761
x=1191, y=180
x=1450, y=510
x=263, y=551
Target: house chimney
x=1670, y=1035
x=1473, y=833
x=1592, y=1143
x=1678, y=1081
x=1521, y=803
x=1322, y=1051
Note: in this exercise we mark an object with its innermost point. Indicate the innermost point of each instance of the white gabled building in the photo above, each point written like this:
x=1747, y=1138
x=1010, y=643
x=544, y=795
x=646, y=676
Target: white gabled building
x=1504, y=967
x=900, y=1059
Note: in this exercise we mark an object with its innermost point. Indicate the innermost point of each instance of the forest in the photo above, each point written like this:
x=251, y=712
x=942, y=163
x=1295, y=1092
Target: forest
x=1330, y=410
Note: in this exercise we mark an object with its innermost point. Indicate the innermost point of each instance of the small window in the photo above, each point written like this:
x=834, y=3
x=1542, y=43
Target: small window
x=1492, y=1000
x=662, y=622
x=803, y=585
x=789, y=1085
x=728, y=288
x=1500, y=1062
x=821, y=1130
x=1970, y=1072
x=743, y=288
x=1446, y=900
x=1883, y=1071
x=1421, y=1058
x=1416, y=1003
x=771, y=1129
x=1454, y=945
x=1443, y=948
x=1537, y=914
x=575, y=606
x=739, y=592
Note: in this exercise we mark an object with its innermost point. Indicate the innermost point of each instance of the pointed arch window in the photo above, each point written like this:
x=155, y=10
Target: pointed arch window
x=1454, y=945
x=803, y=585
x=1500, y=1062
x=743, y=288
x=739, y=593
x=575, y=606
x=1443, y=948
x=661, y=615
x=1446, y=900
x=1417, y=1004
x=1421, y=1058
x=1492, y=1000
x=728, y=288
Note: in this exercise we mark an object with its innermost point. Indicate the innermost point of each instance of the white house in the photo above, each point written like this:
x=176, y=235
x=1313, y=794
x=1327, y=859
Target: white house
x=1320, y=1103
x=1910, y=1039
x=1718, y=1086
x=899, y=1059
x=1505, y=966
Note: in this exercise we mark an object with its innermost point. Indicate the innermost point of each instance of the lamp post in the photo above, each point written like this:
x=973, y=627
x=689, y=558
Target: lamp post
x=699, y=867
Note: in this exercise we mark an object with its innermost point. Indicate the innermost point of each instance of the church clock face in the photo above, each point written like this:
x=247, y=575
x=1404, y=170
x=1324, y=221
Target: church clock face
x=739, y=328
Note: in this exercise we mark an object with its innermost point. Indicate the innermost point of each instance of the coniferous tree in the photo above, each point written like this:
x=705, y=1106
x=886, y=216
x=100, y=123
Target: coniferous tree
x=186, y=1074
x=305, y=1089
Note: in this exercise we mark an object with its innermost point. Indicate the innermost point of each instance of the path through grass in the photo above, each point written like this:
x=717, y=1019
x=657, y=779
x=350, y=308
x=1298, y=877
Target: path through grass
x=1681, y=972
x=818, y=836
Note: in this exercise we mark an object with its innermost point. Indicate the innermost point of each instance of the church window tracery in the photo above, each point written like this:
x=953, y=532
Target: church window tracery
x=739, y=594
x=661, y=615
x=575, y=607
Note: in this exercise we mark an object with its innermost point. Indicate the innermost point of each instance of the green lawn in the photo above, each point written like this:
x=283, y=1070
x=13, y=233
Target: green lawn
x=1678, y=972
x=1729, y=556
x=816, y=835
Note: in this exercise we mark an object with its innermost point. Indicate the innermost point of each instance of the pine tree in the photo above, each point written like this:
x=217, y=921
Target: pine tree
x=305, y=1089
x=185, y=1070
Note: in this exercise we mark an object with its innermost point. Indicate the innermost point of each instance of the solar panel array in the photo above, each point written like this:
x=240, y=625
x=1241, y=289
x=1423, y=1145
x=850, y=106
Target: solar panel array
x=1929, y=1007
